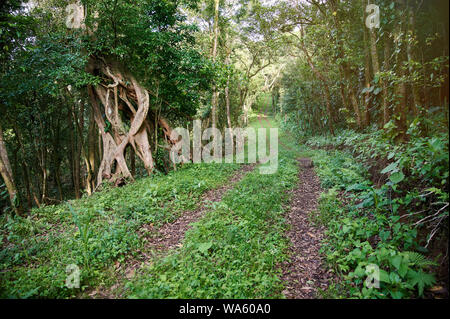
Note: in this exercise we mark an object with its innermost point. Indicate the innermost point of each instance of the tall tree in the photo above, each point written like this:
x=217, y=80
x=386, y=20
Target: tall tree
x=215, y=97
x=7, y=175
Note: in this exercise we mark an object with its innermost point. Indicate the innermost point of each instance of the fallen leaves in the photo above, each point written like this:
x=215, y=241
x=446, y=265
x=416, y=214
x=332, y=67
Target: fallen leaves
x=304, y=273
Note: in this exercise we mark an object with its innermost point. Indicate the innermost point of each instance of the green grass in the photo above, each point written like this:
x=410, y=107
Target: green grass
x=236, y=250
x=233, y=251
x=36, y=250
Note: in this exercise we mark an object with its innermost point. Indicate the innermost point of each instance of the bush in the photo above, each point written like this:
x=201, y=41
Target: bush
x=363, y=230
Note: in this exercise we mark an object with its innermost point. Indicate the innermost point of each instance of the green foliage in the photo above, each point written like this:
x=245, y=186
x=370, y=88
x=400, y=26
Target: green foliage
x=84, y=233
x=339, y=170
x=364, y=227
x=95, y=232
x=416, y=171
x=399, y=275
x=235, y=251
x=157, y=45
x=44, y=106
x=56, y=60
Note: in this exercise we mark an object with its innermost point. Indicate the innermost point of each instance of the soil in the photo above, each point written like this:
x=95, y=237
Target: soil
x=171, y=235
x=305, y=272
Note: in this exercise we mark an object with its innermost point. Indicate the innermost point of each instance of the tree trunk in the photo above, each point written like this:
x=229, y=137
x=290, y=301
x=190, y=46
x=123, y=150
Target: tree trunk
x=352, y=94
x=27, y=186
x=215, y=97
x=42, y=159
x=367, y=78
x=29, y=182
x=344, y=68
x=386, y=67
x=77, y=154
x=243, y=97
x=227, y=102
x=227, y=88
x=56, y=159
x=72, y=151
x=8, y=178
x=58, y=182
x=400, y=89
x=115, y=138
x=412, y=58
x=133, y=161
x=90, y=161
x=376, y=72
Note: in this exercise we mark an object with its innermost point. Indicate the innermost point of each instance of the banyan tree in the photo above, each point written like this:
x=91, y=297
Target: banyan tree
x=115, y=105
x=145, y=73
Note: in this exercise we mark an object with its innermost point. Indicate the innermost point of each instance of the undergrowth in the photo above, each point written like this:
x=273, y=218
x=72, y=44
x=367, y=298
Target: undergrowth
x=380, y=227
x=94, y=232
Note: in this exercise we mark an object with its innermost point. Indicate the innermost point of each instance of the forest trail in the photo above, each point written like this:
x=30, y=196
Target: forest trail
x=169, y=237
x=304, y=273
x=109, y=119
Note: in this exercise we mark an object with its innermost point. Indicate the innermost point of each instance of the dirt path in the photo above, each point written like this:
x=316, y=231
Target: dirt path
x=171, y=235
x=168, y=237
x=304, y=273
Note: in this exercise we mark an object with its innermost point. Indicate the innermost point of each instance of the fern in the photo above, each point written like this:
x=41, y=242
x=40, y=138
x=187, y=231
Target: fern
x=419, y=260
x=419, y=278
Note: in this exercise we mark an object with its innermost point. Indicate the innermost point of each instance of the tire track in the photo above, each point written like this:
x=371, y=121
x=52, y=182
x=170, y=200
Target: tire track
x=304, y=273
x=170, y=236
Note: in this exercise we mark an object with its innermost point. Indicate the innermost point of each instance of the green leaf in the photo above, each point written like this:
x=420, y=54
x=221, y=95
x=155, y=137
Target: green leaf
x=416, y=259
x=394, y=278
x=384, y=235
x=204, y=247
x=390, y=168
x=384, y=276
x=397, y=177
x=421, y=279
x=376, y=79
x=402, y=271
x=396, y=294
x=345, y=229
x=396, y=261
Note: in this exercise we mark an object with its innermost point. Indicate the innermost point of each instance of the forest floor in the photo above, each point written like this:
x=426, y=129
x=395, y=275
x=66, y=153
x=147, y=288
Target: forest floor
x=203, y=231
x=189, y=262
x=170, y=236
x=304, y=272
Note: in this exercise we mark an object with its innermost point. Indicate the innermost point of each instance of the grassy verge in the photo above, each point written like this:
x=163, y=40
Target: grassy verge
x=99, y=231
x=235, y=250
